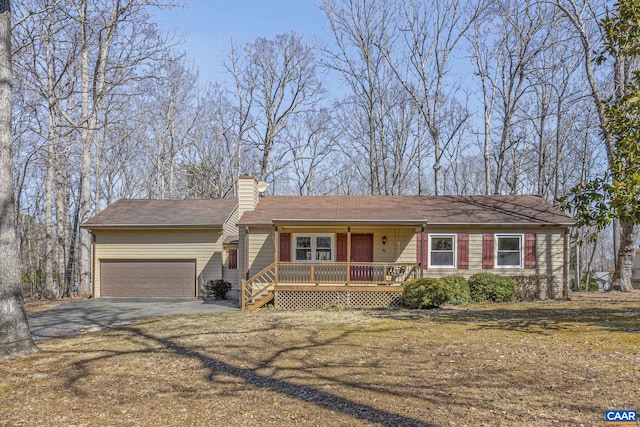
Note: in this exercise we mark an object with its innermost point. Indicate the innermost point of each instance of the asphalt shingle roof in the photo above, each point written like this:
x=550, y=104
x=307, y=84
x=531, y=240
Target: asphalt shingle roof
x=132, y=213
x=433, y=210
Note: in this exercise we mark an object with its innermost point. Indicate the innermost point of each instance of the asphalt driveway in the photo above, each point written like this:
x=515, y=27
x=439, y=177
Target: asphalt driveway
x=96, y=314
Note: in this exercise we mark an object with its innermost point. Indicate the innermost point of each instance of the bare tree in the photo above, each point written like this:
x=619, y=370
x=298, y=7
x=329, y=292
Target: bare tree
x=15, y=337
x=431, y=33
x=358, y=29
x=282, y=79
x=311, y=139
x=170, y=116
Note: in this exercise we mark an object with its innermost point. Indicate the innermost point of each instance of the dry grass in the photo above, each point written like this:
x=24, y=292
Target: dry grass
x=535, y=364
x=33, y=306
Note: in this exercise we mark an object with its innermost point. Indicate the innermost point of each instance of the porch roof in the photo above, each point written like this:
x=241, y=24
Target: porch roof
x=406, y=210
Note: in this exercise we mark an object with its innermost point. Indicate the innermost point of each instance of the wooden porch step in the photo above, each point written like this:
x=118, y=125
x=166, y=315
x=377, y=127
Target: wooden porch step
x=256, y=303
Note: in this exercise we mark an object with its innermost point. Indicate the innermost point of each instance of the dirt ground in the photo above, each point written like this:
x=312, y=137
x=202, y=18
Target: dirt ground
x=556, y=363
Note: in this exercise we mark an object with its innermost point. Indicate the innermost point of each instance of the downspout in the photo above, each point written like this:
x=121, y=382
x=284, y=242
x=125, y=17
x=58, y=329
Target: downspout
x=92, y=291
x=576, y=284
x=424, y=226
x=565, y=265
x=246, y=253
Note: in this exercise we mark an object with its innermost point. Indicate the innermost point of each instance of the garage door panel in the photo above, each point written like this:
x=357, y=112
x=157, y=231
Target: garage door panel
x=147, y=278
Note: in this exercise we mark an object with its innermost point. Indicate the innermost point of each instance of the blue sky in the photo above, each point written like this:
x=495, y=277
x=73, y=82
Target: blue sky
x=207, y=26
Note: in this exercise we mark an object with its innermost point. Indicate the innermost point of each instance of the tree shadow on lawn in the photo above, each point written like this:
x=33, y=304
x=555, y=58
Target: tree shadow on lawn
x=263, y=373
x=542, y=321
x=251, y=376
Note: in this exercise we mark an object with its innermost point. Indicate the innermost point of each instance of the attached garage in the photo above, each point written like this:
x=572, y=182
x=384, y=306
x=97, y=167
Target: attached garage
x=160, y=248
x=148, y=278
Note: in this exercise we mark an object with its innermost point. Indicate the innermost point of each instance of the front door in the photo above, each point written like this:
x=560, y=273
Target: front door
x=362, y=251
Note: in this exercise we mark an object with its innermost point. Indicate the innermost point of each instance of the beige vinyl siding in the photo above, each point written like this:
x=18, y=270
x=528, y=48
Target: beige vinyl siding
x=248, y=195
x=230, y=228
x=261, y=250
x=400, y=246
x=202, y=245
x=549, y=251
x=229, y=275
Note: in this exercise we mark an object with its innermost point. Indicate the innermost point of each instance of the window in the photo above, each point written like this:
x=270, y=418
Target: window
x=313, y=247
x=233, y=259
x=442, y=250
x=509, y=251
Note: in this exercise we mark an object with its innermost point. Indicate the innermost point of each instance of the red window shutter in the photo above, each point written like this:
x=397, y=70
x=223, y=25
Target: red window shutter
x=463, y=251
x=423, y=249
x=341, y=247
x=487, y=251
x=233, y=259
x=285, y=247
x=530, y=250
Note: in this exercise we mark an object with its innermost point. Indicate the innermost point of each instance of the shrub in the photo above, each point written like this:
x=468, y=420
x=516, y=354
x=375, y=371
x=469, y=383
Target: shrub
x=423, y=293
x=458, y=288
x=491, y=287
x=533, y=287
x=217, y=289
x=593, y=284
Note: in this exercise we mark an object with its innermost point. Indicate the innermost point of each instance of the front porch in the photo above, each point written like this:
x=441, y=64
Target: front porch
x=308, y=284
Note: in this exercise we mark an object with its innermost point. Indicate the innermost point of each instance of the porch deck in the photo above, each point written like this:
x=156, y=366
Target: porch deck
x=371, y=284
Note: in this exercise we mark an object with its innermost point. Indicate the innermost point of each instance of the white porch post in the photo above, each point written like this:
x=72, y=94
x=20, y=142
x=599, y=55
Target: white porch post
x=276, y=256
x=348, y=256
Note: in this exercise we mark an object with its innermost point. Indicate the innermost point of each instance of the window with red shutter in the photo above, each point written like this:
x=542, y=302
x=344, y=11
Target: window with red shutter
x=530, y=250
x=442, y=249
x=463, y=251
x=487, y=251
x=509, y=251
x=422, y=249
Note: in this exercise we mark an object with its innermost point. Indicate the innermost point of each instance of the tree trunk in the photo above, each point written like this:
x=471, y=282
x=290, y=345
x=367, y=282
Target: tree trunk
x=15, y=337
x=48, y=291
x=84, y=261
x=624, y=260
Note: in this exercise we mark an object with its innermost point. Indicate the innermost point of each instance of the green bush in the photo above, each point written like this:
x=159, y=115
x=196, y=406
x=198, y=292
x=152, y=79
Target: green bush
x=485, y=287
x=217, y=289
x=424, y=293
x=458, y=288
x=593, y=284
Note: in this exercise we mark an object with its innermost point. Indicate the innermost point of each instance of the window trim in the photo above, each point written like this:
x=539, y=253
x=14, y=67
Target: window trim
x=454, y=237
x=313, y=236
x=520, y=238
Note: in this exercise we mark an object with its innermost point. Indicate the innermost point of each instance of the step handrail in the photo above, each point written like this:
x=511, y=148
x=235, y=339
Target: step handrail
x=255, y=278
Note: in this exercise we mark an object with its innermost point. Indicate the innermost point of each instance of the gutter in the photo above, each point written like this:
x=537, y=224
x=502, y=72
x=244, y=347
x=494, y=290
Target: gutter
x=316, y=221
x=518, y=224
x=147, y=226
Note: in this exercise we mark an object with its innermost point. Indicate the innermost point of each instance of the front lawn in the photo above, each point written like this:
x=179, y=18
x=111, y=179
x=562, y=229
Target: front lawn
x=545, y=363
